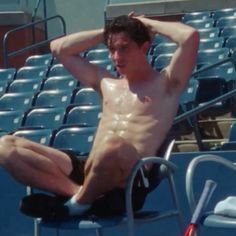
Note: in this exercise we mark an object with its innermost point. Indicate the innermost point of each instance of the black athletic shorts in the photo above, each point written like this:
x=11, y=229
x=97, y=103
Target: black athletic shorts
x=112, y=202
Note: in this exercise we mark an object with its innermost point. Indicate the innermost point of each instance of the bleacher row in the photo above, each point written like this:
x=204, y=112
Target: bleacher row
x=43, y=102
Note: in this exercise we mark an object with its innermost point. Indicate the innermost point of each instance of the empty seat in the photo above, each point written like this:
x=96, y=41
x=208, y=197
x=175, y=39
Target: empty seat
x=226, y=21
x=201, y=15
x=189, y=95
x=53, y=98
x=44, y=117
x=39, y=135
x=207, y=33
x=97, y=54
x=16, y=101
x=39, y=60
x=160, y=39
x=211, y=56
x=201, y=24
x=24, y=85
x=211, y=43
x=58, y=70
x=162, y=61
x=3, y=87
x=7, y=74
x=10, y=120
x=223, y=13
x=84, y=115
x=231, y=42
x=86, y=96
x=164, y=48
x=225, y=71
x=60, y=83
x=228, y=31
x=32, y=72
x=104, y=63
x=76, y=139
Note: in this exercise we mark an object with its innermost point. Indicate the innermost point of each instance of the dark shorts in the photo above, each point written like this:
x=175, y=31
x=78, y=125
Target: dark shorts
x=112, y=202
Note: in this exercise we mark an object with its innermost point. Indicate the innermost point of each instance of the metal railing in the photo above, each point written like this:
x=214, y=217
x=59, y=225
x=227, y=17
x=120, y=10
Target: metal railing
x=7, y=54
x=195, y=111
x=34, y=15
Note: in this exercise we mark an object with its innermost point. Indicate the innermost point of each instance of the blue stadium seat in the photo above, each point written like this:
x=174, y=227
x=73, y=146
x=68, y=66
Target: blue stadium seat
x=207, y=33
x=32, y=72
x=3, y=87
x=39, y=135
x=7, y=74
x=225, y=71
x=162, y=61
x=228, y=31
x=211, y=43
x=188, y=98
x=97, y=54
x=104, y=63
x=76, y=139
x=200, y=15
x=53, y=98
x=39, y=60
x=211, y=56
x=232, y=133
x=10, y=120
x=84, y=115
x=160, y=39
x=226, y=21
x=44, y=117
x=24, y=85
x=201, y=24
x=164, y=48
x=16, y=101
x=86, y=96
x=58, y=70
x=217, y=14
x=231, y=42
x=60, y=83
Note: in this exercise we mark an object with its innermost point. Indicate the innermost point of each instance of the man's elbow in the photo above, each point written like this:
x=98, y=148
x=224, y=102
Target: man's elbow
x=193, y=37
x=56, y=47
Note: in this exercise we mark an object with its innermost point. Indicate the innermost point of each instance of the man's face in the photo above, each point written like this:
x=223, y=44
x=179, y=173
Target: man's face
x=124, y=52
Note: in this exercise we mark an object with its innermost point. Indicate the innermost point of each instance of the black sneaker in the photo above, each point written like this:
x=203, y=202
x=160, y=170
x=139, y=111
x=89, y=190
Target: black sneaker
x=48, y=207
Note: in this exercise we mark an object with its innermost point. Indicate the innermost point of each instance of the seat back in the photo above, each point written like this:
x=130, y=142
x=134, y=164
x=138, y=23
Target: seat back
x=44, y=117
x=60, y=83
x=16, y=101
x=10, y=120
x=76, y=139
x=39, y=60
x=32, y=72
x=86, y=96
x=53, y=98
x=40, y=135
x=84, y=115
x=24, y=85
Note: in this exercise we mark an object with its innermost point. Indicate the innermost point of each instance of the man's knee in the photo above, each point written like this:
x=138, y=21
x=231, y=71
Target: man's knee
x=8, y=149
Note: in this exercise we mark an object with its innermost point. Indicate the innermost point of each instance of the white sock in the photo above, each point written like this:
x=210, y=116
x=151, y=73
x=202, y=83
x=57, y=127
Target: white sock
x=76, y=208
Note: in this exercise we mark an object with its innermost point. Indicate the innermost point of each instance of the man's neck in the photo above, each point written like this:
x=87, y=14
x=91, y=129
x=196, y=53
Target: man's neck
x=142, y=73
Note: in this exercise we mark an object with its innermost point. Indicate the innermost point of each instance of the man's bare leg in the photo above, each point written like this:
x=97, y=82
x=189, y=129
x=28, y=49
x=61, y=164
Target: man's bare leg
x=37, y=165
x=105, y=170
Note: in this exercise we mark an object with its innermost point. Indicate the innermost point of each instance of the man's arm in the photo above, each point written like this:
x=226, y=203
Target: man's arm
x=68, y=48
x=187, y=40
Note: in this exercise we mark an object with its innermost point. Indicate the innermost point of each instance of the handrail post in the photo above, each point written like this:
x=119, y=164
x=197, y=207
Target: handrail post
x=7, y=54
x=45, y=23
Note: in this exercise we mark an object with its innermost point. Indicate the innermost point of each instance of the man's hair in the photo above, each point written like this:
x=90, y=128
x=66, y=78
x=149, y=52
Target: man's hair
x=134, y=28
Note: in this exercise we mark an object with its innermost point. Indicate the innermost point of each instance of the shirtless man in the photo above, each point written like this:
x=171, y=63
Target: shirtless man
x=138, y=110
